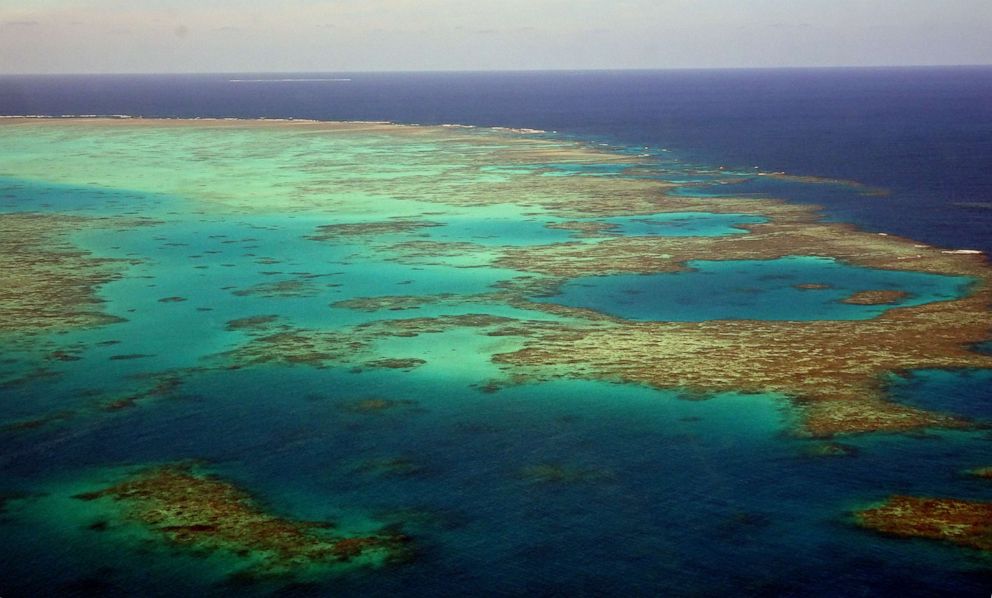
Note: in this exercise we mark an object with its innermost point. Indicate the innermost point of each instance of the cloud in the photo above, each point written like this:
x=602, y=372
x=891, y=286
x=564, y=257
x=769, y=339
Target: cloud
x=21, y=24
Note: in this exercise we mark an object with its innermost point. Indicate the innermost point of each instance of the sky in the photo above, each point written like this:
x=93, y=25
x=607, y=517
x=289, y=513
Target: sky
x=189, y=36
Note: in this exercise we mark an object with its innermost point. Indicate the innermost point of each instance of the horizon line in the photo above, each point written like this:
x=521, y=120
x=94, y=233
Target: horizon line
x=511, y=70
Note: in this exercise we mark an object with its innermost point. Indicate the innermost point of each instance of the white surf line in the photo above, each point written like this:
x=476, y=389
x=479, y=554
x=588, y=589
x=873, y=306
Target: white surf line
x=336, y=79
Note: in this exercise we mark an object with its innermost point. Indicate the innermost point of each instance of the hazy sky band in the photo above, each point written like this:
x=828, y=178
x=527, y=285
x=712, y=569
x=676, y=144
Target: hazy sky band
x=63, y=36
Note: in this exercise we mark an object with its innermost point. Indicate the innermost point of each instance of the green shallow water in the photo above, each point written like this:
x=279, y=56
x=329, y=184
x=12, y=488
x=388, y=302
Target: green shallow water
x=570, y=486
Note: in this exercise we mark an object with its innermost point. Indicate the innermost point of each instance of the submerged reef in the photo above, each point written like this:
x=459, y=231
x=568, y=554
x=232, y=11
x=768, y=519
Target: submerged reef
x=330, y=232
x=282, y=288
x=274, y=342
x=396, y=363
x=376, y=405
x=554, y=473
x=963, y=522
x=833, y=371
x=883, y=297
x=46, y=282
x=981, y=472
x=202, y=513
x=398, y=302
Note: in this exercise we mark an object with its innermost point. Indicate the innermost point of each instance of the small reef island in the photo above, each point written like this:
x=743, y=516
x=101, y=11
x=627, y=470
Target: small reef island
x=246, y=352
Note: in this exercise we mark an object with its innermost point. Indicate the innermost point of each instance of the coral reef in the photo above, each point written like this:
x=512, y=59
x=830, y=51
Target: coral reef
x=294, y=287
x=882, y=297
x=833, y=371
x=251, y=322
x=282, y=343
x=330, y=232
x=962, y=522
x=397, y=302
x=396, y=363
x=46, y=283
x=203, y=513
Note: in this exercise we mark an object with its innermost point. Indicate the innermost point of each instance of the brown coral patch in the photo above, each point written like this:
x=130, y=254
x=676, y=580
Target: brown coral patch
x=395, y=302
x=962, y=522
x=46, y=283
x=879, y=297
x=280, y=343
x=424, y=252
x=251, y=322
x=833, y=370
x=789, y=232
x=396, y=363
x=157, y=386
x=204, y=513
x=294, y=287
x=330, y=232
x=587, y=228
x=376, y=405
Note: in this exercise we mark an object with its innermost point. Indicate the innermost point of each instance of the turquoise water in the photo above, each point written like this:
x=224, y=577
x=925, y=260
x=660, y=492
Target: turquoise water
x=656, y=494
x=686, y=224
x=755, y=290
x=24, y=195
x=533, y=230
x=498, y=230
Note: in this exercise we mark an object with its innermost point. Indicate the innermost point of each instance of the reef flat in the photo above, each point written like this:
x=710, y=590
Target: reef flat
x=46, y=282
x=422, y=322
x=200, y=512
x=963, y=522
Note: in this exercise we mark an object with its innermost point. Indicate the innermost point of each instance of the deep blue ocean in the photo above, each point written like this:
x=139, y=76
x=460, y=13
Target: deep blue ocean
x=923, y=134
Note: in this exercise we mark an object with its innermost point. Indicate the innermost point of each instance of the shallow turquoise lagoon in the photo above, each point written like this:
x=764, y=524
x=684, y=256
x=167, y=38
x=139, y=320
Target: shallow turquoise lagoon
x=755, y=290
x=24, y=195
x=525, y=230
x=498, y=230
x=684, y=224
